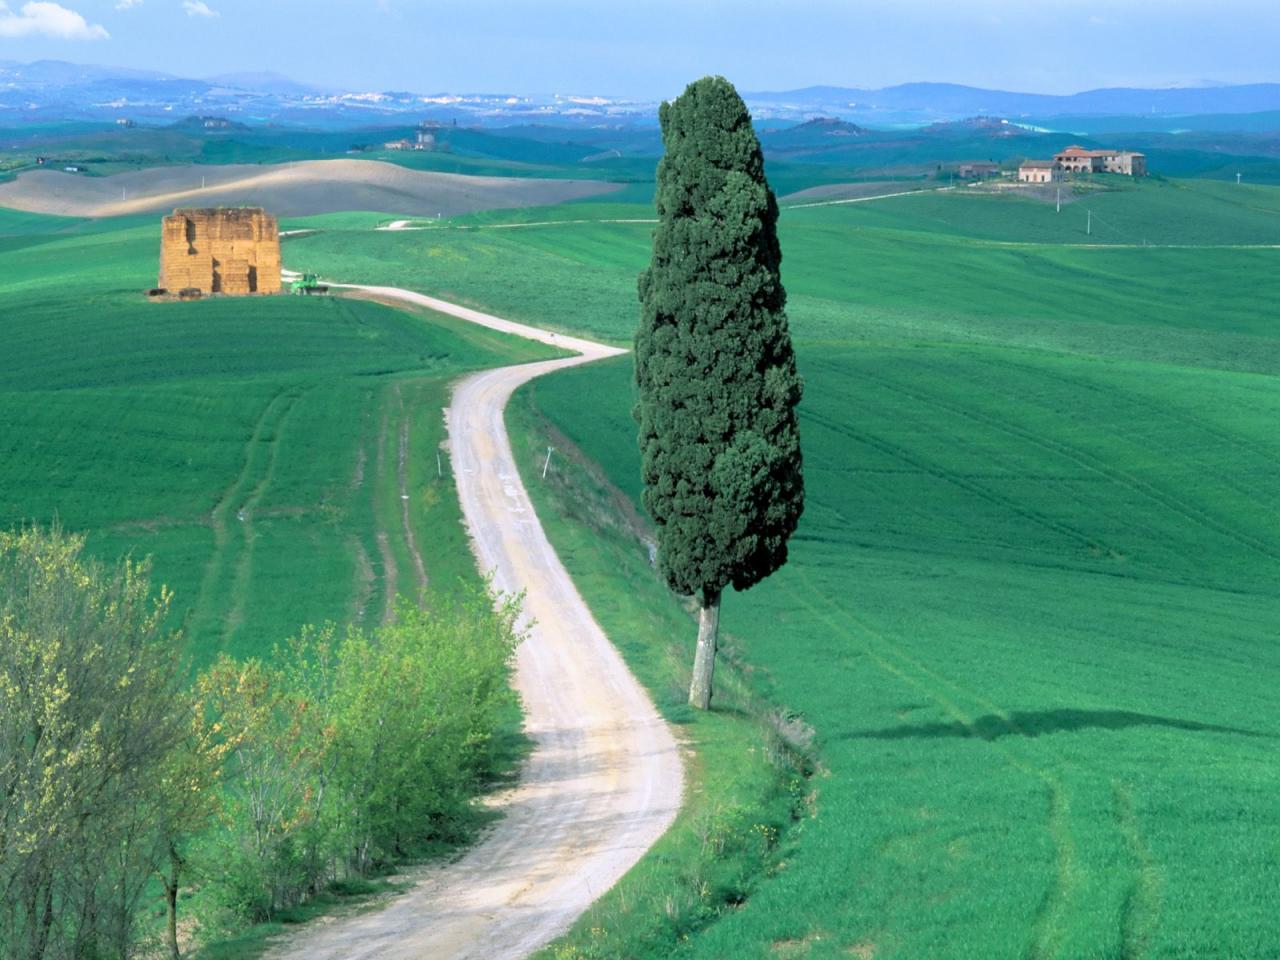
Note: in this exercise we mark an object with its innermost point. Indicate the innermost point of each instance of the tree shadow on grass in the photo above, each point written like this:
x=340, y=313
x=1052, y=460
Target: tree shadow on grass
x=1036, y=723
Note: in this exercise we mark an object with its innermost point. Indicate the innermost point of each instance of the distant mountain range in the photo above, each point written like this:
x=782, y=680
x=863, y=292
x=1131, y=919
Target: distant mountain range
x=51, y=90
x=949, y=101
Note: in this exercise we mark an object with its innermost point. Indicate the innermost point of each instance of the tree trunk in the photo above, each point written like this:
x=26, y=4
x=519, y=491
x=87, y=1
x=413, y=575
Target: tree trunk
x=704, y=660
x=171, y=901
x=46, y=924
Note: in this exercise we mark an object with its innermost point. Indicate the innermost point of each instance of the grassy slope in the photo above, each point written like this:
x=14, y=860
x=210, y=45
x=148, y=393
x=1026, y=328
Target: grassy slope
x=1030, y=607
x=1125, y=212
x=903, y=252
x=524, y=274
x=1032, y=634
x=252, y=446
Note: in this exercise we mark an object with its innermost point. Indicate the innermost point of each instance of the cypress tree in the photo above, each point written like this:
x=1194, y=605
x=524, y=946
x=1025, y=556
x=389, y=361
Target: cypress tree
x=718, y=389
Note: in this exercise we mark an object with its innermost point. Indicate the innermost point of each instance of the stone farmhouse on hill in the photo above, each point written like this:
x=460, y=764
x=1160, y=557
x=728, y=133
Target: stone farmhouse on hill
x=1079, y=160
x=1076, y=159
x=232, y=251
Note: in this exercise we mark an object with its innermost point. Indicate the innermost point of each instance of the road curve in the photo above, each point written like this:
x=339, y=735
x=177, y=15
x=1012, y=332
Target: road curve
x=604, y=780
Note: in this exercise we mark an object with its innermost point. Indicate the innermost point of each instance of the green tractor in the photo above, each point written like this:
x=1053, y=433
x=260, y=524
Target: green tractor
x=307, y=284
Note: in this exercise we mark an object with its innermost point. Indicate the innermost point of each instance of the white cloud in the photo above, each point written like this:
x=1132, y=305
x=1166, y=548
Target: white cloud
x=198, y=8
x=41, y=19
x=128, y=4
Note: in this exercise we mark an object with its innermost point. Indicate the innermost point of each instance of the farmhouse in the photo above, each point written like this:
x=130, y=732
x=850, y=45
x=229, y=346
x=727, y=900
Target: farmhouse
x=1038, y=171
x=230, y=251
x=1123, y=161
x=424, y=140
x=1076, y=159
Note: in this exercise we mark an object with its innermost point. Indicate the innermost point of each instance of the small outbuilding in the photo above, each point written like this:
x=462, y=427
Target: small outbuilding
x=978, y=170
x=1038, y=171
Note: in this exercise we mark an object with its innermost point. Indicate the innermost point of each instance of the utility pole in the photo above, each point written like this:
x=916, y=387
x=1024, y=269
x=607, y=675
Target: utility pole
x=548, y=463
x=1089, y=228
x=1059, y=210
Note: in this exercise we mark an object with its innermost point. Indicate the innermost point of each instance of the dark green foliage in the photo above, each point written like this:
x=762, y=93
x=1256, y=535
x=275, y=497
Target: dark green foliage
x=714, y=364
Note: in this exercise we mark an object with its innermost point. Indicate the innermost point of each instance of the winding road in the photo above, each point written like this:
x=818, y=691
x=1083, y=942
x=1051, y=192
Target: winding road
x=604, y=779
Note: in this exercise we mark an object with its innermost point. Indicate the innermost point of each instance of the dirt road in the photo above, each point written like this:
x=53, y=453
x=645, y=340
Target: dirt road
x=790, y=204
x=604, y=780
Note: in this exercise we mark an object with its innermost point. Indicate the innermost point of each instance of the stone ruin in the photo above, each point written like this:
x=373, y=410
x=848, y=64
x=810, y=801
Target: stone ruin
x=232, y=251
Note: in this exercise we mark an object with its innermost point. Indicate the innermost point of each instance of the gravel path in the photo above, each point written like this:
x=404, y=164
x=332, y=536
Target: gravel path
x=604, y=780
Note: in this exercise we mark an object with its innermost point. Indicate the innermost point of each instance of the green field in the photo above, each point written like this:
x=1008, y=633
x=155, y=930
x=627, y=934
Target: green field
x=1029, y=615
x=1031, y=609
x=961, y=267
x=258, y=449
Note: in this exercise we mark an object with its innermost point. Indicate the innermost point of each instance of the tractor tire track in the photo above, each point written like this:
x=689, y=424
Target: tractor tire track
x=1140, y=913
x=410, y=540
x=243, y=576
x=386, y=556
x=977, y=489
x=1049, y=916
x=1094, y=464
x=214, y=567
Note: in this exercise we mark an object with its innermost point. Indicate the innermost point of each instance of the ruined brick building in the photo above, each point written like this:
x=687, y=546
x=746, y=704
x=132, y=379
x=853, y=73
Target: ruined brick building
x=233, y=251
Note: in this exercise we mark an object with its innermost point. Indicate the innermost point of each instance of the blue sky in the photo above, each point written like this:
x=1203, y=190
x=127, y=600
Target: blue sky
x=651, y=49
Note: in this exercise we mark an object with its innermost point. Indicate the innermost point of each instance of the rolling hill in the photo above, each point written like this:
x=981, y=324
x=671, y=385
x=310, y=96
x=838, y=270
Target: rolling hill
x=1028, y=613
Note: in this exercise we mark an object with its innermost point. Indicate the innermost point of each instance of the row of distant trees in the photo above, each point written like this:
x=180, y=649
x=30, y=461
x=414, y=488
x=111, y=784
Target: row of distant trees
x=122, y=782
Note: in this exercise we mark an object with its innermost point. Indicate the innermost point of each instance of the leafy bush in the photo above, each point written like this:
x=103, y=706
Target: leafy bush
x=270, y=781
x=92, y=718
x=346, y=757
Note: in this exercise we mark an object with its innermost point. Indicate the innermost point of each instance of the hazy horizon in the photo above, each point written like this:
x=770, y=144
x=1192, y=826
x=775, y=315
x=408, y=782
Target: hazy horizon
x=1208, y=83
x=650, y=51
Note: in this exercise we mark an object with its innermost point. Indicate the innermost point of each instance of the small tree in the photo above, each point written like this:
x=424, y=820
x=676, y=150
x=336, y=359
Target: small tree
x=90, y=717
x=187, y=804
x=718, y=388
